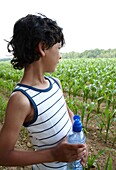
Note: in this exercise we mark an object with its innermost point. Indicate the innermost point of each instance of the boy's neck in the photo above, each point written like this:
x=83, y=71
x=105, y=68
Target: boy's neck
x=34, y=77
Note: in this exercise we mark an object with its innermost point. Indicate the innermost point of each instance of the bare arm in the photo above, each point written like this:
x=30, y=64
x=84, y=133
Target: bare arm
x=18, y=109
x=71, y=114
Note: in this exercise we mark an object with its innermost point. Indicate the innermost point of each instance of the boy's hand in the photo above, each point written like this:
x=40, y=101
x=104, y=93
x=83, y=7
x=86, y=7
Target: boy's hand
x=65, y=152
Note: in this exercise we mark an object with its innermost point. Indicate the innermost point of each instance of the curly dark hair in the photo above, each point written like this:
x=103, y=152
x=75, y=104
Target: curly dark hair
x=28, y=32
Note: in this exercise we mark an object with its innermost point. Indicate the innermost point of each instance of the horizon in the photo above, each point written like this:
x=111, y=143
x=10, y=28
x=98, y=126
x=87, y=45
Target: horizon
x=10, y=56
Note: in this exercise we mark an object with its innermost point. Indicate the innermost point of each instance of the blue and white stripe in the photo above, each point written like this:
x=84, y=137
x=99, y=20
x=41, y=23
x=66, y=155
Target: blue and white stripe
x=51, y=122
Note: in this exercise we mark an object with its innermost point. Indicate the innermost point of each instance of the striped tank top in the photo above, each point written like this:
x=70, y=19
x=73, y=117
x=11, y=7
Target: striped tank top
x=51, y=122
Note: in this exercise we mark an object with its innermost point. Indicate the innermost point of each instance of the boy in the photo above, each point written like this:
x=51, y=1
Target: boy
x=37, y=101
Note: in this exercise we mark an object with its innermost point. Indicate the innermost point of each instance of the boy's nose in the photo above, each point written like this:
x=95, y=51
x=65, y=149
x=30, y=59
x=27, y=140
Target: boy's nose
x=60, y=56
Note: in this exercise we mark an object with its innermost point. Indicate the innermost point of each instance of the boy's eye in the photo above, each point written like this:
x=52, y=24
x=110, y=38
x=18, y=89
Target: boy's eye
x=59, y=46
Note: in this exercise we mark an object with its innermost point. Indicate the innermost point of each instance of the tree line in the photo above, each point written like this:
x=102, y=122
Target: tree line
x=96, y=53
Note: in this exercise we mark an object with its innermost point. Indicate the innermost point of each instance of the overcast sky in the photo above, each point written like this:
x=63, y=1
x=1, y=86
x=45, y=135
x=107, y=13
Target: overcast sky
x=87, y=24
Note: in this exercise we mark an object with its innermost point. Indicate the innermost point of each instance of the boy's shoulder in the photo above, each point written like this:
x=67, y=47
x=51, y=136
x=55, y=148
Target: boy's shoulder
x=55, y=78
x=18, y=98
x=57, y=81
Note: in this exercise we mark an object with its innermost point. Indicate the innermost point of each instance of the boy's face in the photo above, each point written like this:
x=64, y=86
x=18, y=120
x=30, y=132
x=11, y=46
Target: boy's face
x=52, y=57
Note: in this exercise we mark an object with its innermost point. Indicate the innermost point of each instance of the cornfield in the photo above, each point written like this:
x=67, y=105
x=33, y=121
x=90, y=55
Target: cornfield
x=89, y=86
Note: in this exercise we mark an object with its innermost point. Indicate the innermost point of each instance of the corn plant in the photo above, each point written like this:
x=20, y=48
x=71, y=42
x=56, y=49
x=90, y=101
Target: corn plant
x=109, y=119
x=100, y=123
x=89, y=115
x=91, y=162
x=99, y=101
x=85, y=93
x=107, y=166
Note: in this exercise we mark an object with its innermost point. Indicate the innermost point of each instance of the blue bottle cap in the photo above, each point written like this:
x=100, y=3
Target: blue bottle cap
x=77, y=125
x=76, y=117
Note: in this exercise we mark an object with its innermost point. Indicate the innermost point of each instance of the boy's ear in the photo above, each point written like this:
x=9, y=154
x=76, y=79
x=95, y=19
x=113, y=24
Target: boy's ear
x=41, y=49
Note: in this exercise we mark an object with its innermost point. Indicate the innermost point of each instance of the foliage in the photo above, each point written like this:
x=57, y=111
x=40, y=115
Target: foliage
x=96, y=53
x=89, y=85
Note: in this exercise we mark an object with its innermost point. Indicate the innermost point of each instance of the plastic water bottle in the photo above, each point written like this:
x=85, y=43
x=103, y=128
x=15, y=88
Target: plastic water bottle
x=77, y=137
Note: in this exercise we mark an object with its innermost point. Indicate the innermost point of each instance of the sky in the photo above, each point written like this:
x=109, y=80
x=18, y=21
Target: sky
x=87, y=24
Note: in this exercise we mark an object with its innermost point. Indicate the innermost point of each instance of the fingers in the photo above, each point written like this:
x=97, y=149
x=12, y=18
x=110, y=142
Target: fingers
x=84, y=161
x=66, y=152
x=84, y=158
x=76, y=152
x=81, y=152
